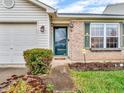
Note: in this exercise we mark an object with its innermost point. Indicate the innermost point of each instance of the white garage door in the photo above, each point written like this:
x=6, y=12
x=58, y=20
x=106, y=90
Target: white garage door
x=14, y=39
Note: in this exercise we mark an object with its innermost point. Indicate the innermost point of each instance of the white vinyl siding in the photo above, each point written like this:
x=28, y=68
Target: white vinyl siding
x=25, y=11
x=22, y=9
x=105, y=35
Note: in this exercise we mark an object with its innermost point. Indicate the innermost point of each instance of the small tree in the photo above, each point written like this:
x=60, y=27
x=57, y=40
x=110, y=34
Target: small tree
x=38, y=60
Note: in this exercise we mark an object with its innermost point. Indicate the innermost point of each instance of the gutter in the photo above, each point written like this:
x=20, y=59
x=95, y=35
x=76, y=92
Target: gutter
x=88, y=15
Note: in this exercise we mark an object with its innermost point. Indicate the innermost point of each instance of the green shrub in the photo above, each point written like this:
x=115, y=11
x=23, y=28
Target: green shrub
x=38, y=60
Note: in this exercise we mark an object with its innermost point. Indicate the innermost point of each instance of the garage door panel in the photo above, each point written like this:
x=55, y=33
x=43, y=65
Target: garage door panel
x=23, y=47
x=4, y=32
x=25, y=27
x=5, y=58
x=22, y=39
x=23, y=35
x=4, y=54
x=4, y=50
x=4, y=37
x=14, y=39
x=22, y=43
x=18, y=59
x=4, y=43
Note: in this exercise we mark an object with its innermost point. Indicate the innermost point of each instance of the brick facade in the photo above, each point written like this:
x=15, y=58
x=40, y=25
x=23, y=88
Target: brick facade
x=76, y=44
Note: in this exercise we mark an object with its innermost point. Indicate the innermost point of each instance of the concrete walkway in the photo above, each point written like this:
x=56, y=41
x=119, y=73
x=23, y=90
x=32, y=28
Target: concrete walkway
x=6, y=73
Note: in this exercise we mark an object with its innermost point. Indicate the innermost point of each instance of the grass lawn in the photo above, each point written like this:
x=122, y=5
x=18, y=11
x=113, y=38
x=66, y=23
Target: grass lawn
x=99, y=81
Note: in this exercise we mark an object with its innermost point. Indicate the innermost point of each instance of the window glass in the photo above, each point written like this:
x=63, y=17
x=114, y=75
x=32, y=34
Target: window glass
x=104, y=35
x=97, y=35
x=97, y=42
x=97, y=30
x=112, y=42
x=112, y=30
x=112, y=35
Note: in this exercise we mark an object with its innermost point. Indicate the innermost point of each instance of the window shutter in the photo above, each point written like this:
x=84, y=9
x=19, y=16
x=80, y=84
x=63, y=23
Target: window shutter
x=87, y=36
x=122, y=35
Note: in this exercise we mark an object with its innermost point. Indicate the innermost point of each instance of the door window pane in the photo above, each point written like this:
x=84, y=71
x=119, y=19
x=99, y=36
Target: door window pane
x=60, y=41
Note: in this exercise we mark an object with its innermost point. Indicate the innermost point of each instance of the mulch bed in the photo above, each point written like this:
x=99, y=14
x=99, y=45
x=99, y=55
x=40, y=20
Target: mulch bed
x=34, y=81
x=59, y=77
x=97, y=66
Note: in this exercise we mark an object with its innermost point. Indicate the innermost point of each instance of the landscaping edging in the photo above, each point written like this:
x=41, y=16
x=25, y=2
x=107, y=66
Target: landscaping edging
x=97, y=66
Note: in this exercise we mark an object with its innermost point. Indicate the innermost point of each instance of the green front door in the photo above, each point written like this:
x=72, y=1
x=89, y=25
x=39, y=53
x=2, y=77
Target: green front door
x=60, y=41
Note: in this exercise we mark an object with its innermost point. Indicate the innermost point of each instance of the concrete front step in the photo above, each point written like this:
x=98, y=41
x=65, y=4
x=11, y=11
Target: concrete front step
x=59, y=61
x=60, y=58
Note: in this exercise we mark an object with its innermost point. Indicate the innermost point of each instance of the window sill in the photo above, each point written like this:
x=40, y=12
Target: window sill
x=107, y=49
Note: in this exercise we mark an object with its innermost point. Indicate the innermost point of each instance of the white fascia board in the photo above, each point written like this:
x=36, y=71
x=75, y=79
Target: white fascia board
x=48, y=9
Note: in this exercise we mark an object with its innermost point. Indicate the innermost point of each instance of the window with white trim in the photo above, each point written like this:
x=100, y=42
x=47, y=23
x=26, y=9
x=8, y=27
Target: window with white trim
x=105, y=35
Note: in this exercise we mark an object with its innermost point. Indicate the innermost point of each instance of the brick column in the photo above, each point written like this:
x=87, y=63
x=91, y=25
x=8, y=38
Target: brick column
x=76, y=40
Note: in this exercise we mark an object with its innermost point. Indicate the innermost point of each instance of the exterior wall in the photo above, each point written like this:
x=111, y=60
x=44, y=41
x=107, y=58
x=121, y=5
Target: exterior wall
x=76, y=43
x=25, y=11
x=114, y=9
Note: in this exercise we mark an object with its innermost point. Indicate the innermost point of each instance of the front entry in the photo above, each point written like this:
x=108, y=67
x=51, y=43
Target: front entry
x=60, y=41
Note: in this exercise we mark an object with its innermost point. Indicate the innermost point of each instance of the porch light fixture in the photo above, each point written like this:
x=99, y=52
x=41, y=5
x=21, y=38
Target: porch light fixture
x=71, y=25
x=42, y=29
